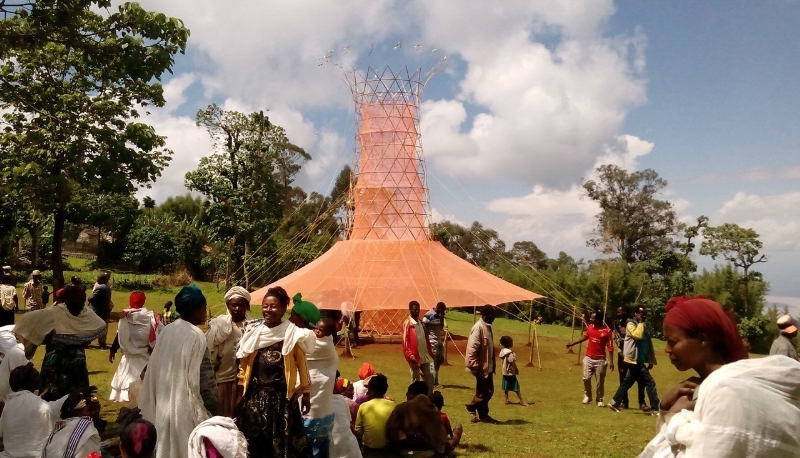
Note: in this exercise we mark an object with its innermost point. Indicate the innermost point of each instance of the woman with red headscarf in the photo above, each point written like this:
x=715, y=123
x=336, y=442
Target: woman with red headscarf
x=735, y=407
x=136, y=336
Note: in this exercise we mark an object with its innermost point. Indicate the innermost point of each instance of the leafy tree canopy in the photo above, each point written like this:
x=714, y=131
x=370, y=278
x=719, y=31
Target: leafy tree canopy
x=72, y=100
x=632, y=221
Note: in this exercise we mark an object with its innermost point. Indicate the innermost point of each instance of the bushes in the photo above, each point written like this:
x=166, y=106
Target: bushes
x=151, y=249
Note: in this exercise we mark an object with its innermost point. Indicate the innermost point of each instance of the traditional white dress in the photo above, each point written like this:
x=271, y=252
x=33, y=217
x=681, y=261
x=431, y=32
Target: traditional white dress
x=343, y=443
x=26, y=423
x=74, y=437
x=13, y=358
x=136, y=334
x=12, y=354
x=746, y=409
x=170, y=396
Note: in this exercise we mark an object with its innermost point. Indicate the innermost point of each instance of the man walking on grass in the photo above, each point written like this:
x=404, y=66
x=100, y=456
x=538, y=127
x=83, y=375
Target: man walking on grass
x=480, y=361
x=595, y=363
x=32, y=292
x=639, y=354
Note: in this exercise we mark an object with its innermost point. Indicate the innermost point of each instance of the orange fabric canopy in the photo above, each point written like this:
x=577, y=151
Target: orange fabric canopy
x=387, y=274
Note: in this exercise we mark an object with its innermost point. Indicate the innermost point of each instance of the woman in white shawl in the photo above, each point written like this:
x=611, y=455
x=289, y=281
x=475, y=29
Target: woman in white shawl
x=13, y=356
x=178, y=392
x=736, y=407
x=66, y=329
x=223, y=335
x=76, y=436
x=272, y=357
x=136, y=337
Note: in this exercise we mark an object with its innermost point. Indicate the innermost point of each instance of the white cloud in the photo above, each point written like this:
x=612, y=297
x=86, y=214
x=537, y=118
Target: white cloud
x=555, y=220
x=773, y=217
x=539, y=113
x=174, y=90
x=438, y=217
x=545, y=113
x=562, y=220
x=187, y=141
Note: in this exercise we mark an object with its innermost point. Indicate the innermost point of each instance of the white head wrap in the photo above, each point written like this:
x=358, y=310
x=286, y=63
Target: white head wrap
x=237, y=291
x=223, y=434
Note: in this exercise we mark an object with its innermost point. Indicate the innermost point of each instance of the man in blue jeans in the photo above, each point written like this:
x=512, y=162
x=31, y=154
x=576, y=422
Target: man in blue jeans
x=639, y=354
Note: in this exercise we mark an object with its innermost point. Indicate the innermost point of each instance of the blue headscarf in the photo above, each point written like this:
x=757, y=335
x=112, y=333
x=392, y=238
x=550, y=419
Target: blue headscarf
x=188, y=299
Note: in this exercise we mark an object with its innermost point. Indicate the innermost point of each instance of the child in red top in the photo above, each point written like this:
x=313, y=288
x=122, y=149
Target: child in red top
x=595, y=363
x=438, y=400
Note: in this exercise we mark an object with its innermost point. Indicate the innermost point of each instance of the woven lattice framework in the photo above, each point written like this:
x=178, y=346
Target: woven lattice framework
x=388, y=258
x=389, y=194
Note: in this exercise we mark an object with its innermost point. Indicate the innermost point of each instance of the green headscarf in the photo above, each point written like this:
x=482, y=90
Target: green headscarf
x=188, y=299
x=305, y=309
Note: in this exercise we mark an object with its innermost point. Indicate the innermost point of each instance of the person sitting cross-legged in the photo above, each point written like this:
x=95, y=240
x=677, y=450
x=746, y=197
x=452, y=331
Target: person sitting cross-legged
x=416, y=428
x=373, y=415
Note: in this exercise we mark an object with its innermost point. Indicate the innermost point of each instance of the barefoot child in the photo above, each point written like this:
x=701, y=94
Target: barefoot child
x=510, y=369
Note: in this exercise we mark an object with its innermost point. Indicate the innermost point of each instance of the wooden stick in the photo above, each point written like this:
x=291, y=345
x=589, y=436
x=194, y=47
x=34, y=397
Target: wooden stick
x=530, y=327
x=572, y=337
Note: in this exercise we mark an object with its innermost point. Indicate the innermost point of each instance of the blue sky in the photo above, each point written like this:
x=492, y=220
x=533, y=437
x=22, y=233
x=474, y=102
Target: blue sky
x=533, y=97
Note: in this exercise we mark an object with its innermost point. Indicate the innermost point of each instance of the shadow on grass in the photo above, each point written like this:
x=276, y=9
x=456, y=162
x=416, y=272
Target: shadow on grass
x=514, y=421
x=457, y=387
x=472, y=448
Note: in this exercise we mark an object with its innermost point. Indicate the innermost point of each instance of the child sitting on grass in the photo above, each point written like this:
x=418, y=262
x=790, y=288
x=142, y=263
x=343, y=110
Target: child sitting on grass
x=510, y=370
x=438, y=400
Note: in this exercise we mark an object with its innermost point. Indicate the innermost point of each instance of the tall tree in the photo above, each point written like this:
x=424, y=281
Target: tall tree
x=246, y=179
x=476, y=244
x=738, y=245
x=72, y=101
x=527, y=253
x=632, y=221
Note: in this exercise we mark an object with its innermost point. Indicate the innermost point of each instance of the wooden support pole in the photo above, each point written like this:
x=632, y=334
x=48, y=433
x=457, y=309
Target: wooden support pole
x=530, y=327
x=572, y=337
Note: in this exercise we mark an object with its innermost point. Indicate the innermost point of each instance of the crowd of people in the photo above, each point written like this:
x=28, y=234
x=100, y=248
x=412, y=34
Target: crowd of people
x=270, y=386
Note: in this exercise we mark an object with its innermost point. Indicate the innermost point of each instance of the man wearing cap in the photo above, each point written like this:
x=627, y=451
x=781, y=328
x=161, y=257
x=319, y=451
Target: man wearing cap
x=417, y=347
x=9, y=301
x=32, y=292
x=784, y=344
x=223, y=335
x=179, y=390
x=136, y=337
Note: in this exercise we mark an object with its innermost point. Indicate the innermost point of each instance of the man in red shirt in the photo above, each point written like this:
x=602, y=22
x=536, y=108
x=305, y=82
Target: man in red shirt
x=595, y=362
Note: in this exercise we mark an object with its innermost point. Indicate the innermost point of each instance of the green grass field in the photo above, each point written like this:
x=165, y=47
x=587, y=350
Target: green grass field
x=556, y=424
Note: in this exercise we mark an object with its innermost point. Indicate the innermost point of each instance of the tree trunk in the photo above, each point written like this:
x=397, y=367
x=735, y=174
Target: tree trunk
x=34, y=246
x=746, y=293
x=228, y=267
x=97, y=249
x=244, y=262
x=55, y=260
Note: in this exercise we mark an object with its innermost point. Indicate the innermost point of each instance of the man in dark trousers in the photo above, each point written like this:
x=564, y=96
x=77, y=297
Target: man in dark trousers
x=619, y=339
x=100, y=302
x=639, y=354
x=480, y=361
